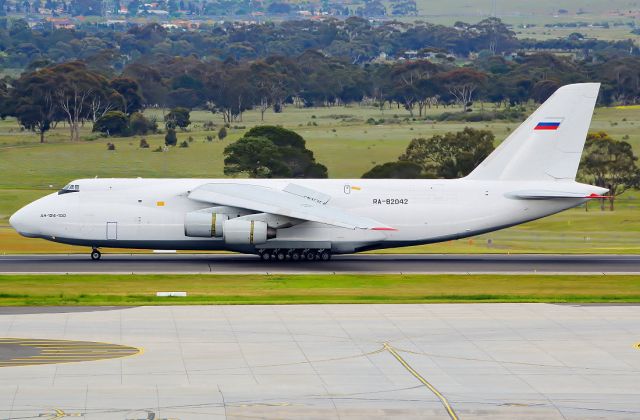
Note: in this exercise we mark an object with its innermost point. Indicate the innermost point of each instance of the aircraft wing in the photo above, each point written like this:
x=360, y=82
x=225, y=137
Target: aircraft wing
x=294, y=201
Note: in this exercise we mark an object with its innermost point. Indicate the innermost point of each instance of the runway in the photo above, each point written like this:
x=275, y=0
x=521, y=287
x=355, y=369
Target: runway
x=359, y=263
x=445, y=361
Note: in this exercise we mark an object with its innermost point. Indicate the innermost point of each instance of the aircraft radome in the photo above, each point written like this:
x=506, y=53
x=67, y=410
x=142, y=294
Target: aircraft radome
x=529, y=176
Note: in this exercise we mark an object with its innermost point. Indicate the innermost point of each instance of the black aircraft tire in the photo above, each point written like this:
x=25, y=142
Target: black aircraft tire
x=95, y=255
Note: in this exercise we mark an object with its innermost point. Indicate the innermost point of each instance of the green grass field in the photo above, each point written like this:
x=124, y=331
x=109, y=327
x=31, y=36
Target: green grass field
x=298, y=289
x=342, y=140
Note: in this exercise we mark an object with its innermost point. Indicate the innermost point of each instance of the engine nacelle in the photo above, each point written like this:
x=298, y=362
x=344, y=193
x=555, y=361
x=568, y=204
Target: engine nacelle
x=246, y=232
x=204, y=225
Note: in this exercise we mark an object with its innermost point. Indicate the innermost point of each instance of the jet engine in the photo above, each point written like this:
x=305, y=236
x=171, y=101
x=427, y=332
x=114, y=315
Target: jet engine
x=204, y=225
x=247, y=232
x=238, y=226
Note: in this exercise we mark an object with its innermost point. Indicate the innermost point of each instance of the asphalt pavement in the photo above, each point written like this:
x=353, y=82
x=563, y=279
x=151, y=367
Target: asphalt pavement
x=358, y=263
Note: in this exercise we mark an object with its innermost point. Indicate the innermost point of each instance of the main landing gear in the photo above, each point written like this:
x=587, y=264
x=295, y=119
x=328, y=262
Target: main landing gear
x=283, y=254
x=95, y=254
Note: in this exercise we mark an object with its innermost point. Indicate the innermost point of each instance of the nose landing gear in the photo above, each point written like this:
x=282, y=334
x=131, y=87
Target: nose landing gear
x=95, y=254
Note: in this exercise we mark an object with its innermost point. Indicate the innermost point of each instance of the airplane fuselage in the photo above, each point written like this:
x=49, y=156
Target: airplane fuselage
x=150, y=213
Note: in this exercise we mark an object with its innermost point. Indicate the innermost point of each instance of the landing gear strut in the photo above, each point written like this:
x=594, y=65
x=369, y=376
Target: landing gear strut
x=95, y=254
x=294, y=255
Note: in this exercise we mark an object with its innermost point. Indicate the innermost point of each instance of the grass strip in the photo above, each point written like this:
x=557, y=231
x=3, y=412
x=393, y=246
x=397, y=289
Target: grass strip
x=136, y=289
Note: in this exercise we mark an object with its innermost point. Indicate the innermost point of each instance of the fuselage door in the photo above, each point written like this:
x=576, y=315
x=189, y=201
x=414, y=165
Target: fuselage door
x=112, y=230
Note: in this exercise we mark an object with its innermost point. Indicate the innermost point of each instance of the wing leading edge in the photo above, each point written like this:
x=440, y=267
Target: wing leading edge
x=270, y=200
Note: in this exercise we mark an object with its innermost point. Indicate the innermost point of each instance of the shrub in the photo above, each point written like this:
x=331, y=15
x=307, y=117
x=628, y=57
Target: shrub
x=209, y=138
x=112, y=123
x=177, y=117
x=279, y=135
x=111, y=146
x=171, y=139
x=141, y=125
x=144, y=144
x=222, y=133
x=184, y=144
x=396, y=170
x=272, y=152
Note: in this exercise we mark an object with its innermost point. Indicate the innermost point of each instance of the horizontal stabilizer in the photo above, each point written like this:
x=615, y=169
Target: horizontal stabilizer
x=557, y=194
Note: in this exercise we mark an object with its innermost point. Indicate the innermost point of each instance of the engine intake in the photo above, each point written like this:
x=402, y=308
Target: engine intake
x=204, y=225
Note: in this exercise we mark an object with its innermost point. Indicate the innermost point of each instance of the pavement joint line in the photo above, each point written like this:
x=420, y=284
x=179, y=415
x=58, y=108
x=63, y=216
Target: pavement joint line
x=419, y=377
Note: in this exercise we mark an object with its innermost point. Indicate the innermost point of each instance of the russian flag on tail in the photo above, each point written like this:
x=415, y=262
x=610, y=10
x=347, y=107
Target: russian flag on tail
x=549, y=124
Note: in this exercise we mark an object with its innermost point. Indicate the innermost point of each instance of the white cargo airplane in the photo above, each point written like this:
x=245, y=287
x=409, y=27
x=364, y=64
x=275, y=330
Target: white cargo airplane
x=529, y=176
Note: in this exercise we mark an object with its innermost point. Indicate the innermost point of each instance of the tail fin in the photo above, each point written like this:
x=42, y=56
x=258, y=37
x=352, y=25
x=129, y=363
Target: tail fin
x=548, y=145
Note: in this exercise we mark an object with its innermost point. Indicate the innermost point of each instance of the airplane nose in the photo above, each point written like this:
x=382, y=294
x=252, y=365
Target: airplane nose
x=21, y=222
x=17, y=220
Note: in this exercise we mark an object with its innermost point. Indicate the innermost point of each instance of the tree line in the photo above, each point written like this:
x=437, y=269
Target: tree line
x=231, y=68
x=355, y=40
x=68, y=93
x=314, y=78
x=74, y=93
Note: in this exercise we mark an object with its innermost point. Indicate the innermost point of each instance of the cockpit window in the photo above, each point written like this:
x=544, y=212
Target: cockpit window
x=69, y=188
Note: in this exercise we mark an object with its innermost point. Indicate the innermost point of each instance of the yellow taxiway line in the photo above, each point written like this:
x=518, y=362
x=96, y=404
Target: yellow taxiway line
x=426, y=383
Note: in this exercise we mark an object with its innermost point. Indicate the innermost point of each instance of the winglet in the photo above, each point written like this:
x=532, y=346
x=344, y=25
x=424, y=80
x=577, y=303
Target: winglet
x=594, y=195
